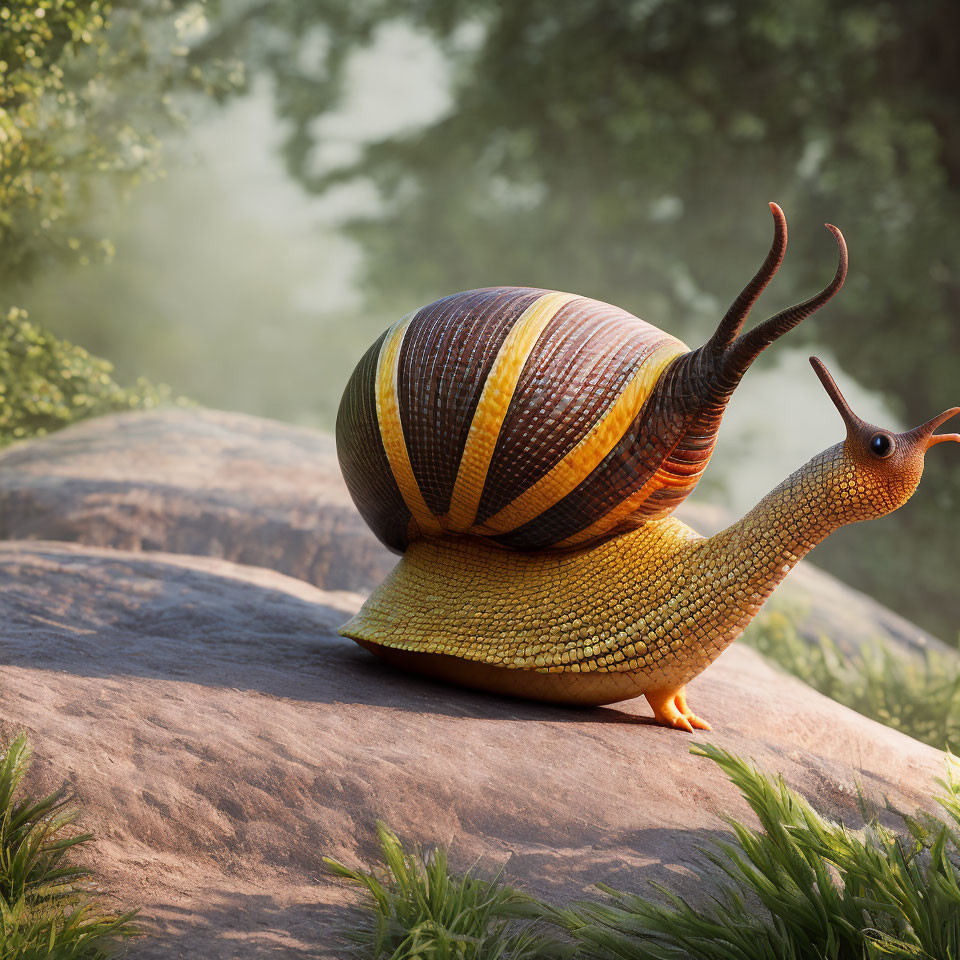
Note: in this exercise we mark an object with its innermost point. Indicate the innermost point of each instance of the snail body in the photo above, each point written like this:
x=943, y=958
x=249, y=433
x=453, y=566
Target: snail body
x=524, y=449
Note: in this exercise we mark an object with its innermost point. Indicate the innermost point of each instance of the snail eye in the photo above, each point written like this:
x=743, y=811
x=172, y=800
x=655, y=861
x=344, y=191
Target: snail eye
x=881, y=445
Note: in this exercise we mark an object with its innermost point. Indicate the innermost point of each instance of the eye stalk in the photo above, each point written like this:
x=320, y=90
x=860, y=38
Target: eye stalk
x=852, y=421
x=882, y=445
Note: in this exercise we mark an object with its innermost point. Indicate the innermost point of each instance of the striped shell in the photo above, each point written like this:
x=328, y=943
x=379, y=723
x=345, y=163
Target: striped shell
x=541, y=419
x=528, y=416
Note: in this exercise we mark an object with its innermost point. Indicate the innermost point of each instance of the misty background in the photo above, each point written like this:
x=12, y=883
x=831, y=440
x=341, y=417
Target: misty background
x=351, y=162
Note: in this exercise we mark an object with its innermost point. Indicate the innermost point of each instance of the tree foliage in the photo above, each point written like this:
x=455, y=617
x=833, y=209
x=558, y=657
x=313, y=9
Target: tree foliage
x=84, y=92
x=47, y=383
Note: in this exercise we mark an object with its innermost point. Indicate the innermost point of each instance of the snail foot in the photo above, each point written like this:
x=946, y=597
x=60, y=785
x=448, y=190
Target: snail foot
x=697, y=722
x=670, y=710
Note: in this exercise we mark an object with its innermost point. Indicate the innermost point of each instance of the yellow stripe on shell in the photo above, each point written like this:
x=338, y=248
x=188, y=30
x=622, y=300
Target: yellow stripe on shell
x=492, y=408
x=583, y=459
x=662, y=478
x=391, y=429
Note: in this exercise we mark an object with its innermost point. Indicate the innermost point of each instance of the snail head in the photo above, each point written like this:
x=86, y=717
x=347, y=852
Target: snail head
x=875, y=471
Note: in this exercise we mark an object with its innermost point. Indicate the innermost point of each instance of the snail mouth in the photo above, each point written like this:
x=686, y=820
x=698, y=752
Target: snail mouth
x=925, y=434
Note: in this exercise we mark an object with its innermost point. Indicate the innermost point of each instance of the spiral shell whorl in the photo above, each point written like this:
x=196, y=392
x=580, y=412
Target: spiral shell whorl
x=532, y=417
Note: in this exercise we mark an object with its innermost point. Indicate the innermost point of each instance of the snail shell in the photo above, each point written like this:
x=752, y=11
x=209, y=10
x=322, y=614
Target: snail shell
x=540, y=419
x=512, y=413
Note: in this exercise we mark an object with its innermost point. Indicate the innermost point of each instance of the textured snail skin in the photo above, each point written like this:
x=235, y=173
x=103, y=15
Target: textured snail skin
x=642, y=613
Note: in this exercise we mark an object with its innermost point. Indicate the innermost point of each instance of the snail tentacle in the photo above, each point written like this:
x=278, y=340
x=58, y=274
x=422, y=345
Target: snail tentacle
x=751, y=344
x=833, y=391
x=733, y=320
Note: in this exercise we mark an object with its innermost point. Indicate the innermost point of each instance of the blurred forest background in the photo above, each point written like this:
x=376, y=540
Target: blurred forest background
x=235, y=198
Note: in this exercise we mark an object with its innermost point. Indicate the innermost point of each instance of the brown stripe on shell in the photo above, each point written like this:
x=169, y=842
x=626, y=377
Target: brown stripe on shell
x=581, y=363
x=446, y=355
x=363, y=459
x=644, y=449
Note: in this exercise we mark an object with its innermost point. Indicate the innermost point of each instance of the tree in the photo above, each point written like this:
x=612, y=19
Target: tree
x=84, y=94
x=84, y=91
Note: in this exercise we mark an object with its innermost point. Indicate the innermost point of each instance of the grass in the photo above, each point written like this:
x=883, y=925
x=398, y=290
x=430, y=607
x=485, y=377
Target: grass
x=416, y=909
x=919, y=696
x=799, y=888
x=48, y=910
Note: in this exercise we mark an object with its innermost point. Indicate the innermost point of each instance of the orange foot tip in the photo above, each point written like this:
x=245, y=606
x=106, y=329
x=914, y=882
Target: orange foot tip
x=670, y=710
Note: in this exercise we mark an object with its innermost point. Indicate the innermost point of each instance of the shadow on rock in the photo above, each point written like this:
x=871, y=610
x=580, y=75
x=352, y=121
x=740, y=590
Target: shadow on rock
x=104, y=613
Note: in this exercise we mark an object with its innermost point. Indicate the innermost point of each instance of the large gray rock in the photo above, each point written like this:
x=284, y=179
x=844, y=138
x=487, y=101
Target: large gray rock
x=254, y=491
x=197, y=482
x=222, y=738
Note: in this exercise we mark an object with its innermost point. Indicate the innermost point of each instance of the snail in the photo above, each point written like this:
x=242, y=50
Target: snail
x=524, y=450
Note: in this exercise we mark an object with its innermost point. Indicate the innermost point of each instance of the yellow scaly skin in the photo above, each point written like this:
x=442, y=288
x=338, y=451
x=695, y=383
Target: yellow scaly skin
x=643, y=613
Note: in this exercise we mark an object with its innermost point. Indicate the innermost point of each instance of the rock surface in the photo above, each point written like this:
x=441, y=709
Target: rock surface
x=227, y=485
x=197, y=482
x=222, y=738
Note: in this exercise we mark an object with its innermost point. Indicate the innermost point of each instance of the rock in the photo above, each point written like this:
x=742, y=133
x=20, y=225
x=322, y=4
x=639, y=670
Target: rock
x=197, y=482
x=221, y=738
x=254, y=491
